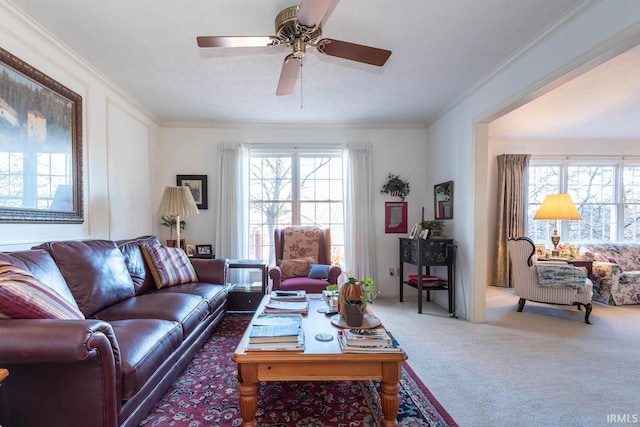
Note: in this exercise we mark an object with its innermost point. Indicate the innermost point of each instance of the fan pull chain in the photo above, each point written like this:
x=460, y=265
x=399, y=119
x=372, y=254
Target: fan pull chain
x=301, y=86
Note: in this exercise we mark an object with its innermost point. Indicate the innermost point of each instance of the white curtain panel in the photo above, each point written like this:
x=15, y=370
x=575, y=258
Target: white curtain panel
x=359, y=245
x=232, y=203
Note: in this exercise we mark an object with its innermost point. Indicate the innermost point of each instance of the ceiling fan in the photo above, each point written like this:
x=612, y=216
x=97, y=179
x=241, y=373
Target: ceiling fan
x=299, y=27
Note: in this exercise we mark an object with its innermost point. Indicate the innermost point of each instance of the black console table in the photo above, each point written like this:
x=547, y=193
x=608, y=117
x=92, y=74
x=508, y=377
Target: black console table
x=426, y=253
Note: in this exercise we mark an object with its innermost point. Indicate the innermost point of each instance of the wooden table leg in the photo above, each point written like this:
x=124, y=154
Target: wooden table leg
x=248, y=379
x=389, y=389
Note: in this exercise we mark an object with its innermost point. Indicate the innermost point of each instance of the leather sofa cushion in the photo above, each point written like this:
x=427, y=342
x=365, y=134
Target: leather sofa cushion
x=95, y=272
x=39, y=263
x=138, y=268
x=214, y=294
x=144, y=345
x=187, y=310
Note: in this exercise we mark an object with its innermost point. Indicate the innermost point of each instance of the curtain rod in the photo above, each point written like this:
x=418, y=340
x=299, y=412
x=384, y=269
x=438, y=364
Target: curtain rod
x=295, y=147
x=584, y=157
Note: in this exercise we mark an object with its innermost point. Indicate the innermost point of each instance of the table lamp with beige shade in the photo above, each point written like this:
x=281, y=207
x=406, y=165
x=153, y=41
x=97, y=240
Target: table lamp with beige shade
x=557, y=207
x=177, y=201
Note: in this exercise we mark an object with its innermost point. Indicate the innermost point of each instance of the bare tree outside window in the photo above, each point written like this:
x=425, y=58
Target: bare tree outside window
x=295, y=189
x=607, y=196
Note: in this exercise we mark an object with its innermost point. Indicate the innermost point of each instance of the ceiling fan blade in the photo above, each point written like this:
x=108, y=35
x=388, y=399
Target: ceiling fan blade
x=237, y=41
x=312, y=11
x=288, y=75
x=354, y=52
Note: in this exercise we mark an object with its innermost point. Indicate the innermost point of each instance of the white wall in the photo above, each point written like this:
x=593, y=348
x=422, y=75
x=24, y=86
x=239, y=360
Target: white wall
x=194, y=151
x=460, y=135
x=117, y=143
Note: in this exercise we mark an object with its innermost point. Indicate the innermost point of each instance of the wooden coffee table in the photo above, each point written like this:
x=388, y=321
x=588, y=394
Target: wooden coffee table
x=321, y=361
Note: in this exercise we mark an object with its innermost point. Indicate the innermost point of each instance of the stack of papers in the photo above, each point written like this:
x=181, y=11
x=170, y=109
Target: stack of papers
x=275, y=306
x=289, y=295
x=366, y=337
x=367, y=341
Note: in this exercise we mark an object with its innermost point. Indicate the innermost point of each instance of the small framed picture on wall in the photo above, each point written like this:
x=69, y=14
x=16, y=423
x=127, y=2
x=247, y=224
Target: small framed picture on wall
x=198, y=186
x=395, y=217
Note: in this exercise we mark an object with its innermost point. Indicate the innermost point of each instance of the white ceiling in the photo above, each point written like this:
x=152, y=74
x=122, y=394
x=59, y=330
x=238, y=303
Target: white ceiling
x=602, y=103
x=441, y=48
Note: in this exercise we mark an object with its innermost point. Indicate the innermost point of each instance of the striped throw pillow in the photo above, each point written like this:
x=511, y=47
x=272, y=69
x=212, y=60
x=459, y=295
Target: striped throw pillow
x=22, y=296
x=169, y=266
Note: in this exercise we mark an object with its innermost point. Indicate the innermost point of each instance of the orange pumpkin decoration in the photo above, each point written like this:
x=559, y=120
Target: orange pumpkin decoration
x=350, y=291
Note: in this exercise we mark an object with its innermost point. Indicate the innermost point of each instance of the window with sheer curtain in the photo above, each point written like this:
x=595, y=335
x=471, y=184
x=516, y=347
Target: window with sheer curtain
x=295, y=187
x=317, y=199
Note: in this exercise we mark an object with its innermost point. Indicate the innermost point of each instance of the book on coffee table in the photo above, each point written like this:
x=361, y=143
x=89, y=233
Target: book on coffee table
x=287, y=332
x=278, y=319
x=297, y=345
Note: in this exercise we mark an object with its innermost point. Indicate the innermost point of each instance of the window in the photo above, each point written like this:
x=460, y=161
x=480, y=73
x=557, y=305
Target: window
x=607, y=195
x=299, y=188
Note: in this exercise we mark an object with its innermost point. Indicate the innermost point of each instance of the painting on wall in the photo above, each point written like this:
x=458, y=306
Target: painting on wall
x=198, y=186
x=40, y=146
x=395, y=217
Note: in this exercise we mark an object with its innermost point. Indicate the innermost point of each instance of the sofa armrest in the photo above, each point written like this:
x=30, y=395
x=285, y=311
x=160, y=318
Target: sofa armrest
x=605, y=277
x=334, y=273
x=56, y=341
x=211, y=270
x=60, y=363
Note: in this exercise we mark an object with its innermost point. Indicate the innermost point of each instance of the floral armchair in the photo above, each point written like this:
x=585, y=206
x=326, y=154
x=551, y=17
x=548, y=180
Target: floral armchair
x=303, y=259
x=551, y=283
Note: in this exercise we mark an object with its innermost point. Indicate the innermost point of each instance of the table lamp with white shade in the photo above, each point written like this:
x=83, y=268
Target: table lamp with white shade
x=177, y=201
x=557, y=207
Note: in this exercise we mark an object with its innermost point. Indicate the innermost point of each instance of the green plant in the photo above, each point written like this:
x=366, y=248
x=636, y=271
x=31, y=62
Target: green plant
x=170, y=221
x=357, y=292
x=396, y=186
x=432, y=224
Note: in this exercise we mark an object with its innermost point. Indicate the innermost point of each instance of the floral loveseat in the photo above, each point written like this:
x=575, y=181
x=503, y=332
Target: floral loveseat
x=616, y=269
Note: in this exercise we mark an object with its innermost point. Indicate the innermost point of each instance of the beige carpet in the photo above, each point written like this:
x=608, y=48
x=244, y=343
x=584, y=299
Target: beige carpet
x=541, y=367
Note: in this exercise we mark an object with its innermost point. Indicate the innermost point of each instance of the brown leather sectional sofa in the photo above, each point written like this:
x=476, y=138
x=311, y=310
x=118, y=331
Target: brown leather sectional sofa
x=110, y=369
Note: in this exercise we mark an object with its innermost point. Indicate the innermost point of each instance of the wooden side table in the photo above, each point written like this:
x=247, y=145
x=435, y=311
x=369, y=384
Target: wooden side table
x=426, y=253
x=244, y=296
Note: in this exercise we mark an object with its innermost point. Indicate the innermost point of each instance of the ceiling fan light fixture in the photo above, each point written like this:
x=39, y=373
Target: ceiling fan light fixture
x=300, y=27
x=299, y=48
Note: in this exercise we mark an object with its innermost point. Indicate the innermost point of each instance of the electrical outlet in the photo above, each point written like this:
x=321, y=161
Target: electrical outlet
x=392, y=271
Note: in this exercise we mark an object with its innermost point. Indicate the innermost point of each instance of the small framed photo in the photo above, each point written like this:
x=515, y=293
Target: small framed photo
x=415, y=230
x=541, y=251
x=204, y=251
x=424, y=234
x=198, y=186
x=190, y=250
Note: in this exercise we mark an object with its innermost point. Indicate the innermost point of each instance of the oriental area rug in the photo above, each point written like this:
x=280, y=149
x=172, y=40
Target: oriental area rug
x=206, y=394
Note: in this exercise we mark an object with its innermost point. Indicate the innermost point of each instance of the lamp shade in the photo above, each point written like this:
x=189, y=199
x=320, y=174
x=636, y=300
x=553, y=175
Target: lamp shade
x=178, y=201
x=558, y=206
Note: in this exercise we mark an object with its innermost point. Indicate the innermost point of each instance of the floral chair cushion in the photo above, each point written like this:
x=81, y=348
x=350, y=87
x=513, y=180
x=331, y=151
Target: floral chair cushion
x=301, y=242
